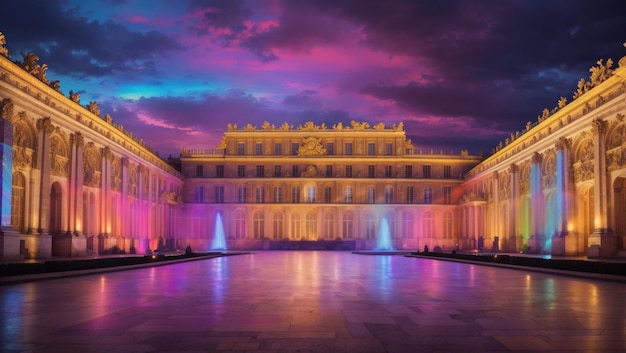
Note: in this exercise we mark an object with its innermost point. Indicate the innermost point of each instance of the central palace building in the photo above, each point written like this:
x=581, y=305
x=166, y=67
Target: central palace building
x=75, y=183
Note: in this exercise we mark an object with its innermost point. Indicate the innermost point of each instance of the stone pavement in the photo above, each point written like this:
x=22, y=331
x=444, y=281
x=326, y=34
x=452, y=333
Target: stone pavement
x=314, y=301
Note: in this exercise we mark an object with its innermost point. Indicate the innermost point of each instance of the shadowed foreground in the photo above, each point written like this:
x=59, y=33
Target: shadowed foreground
x=314, y=301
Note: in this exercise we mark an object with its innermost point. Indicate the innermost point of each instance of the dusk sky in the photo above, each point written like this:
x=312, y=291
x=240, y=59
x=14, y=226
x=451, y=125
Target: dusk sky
x=458, y=74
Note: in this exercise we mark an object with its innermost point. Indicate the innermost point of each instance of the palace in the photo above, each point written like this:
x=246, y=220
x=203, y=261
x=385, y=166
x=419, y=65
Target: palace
x=75, y=183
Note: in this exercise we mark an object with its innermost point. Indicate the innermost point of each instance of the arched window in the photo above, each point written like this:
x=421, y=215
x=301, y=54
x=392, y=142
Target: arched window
x=428, y=225
x=240, y=225
x=310, y=194
x=447, y=225
x=17, y=202
x=348, y=225
x=296, y=232
x=370, y=226
x=278, y=226
x=408, y=231
x=260, y=195
x=311, y=226
x=259, y=225
x=329, y=225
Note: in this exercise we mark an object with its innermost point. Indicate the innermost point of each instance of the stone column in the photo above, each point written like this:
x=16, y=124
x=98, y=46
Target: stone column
x=45, y=128
x=105, y=208
x=535, y=241
x=514, y=209
x=76, y=184
x=141, y=216
x=125, y=215
x=497, y=219
x=602, y=242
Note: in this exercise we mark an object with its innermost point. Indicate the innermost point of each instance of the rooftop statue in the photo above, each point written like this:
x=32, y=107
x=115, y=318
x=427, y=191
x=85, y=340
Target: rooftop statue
x=3, y=50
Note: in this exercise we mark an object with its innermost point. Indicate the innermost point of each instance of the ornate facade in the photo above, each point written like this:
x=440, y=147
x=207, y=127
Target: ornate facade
x=75, y=183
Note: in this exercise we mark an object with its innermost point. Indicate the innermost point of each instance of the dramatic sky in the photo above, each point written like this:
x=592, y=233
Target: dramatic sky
x=458, y=74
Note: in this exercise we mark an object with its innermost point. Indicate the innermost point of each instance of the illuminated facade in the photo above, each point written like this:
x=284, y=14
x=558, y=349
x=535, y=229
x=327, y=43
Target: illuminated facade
x=324, y=183
x=75, y=183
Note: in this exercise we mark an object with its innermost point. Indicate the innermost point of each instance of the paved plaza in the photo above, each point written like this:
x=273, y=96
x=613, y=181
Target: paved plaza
x=314, y=302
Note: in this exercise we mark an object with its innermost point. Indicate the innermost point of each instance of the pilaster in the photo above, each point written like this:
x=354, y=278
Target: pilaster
x=45, y=128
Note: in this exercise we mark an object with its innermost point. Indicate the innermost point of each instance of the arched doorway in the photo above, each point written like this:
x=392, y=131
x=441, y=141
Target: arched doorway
x=56, y=209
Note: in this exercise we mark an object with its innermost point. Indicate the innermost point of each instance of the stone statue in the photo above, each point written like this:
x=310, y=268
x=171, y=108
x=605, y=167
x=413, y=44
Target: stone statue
x=3, y=50
x=75, y=97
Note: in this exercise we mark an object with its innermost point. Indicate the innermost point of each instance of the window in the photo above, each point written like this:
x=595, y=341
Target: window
x=278, y=194
x=447, y=225
x=278, y=149
x=370, y=226
x=371, y=171
x=428, y=225
x=219, y=194
x=294, y=148
x=348, y=225
x=18, y=204
x=327, y=195
x=387, y=171
x=347, y=197
x=407, y=225
x=295, y=195
x=371, y=149
x=241, y=171
x=241, y=149
x=242, y=195
x=199, y=171
x=330, y=149
x=348, y=171
x=199, y=194
x=260, y=195
x=260, y=171
x=310, y=194
x=447, y=195
x=388, y=195
x=278, y=226
x=258, y=148
x=348, y=148
x=277, y=170
x=409, y=194
x=240, y=225
x=259, y=225
x=446, y=171
x=428, y=195
x=329, y=171
x=370, y=195
x=311, y=225
x=408, y=171
x=329, y=226
x=294, y=171
x=388, y=149
x=219, y=171
x=296, y=230
x=426, y=171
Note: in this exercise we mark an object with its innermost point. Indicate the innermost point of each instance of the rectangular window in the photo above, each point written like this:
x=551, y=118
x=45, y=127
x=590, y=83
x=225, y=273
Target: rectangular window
x=219, y=194
x=219, y=171
x=329, y=171
x=387, y=171
x=409, y=194
x=348, y=171
x=327, y=194
x=426, y=171
x=330, y=149
x=348, y=149
x=446, y=171
x=278, y=149
x=428, y=195
x=199, y=194
x=243, y=195
x=347, y=197
x=371, y=171
x=371, y=149
x=294, y=171
x=408, y=171
x=447, y=195
x=388, y=195
x=241, y=149
x=370, y=195
x=241, y=171
x=388, y=149
x=278, y=195
x=295, y=195
x=277, y=171
x=260, y=171
x=294, y=148
x=258, y=148
x=199, y=171
x=260, y=195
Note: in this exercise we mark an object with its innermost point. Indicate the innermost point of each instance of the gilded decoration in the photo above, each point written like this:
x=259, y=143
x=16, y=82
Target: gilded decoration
x=91, y=166
x=3, y=50
x=504, y=185
x=45, y=125
x=311, y=146
x=59, y=161
x=617, y=136
x=116, y=175
x=310, y=172
x=524, y=178
x=22, y=157
x=23, y=135
x=77, y=139
x=94, y=108
x=549, y=170
x=132, y=180
x=6, y=109
x=584, y=161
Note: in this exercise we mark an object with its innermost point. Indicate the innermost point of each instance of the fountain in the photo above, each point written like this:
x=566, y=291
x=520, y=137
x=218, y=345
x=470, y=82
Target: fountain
x=384, y=237
x=219, y=241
